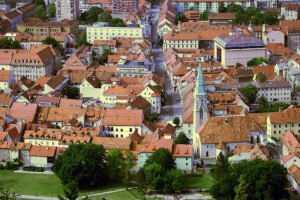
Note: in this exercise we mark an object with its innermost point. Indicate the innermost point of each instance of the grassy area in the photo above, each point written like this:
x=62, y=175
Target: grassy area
x=42, y=185
x=198, y=181
x=123, y=195
x=31, y=184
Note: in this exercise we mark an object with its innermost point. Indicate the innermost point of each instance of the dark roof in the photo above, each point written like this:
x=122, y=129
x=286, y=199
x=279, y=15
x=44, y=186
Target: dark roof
x=27, y=8
x=55, y=81
x=94, y=81
x=12, y=14
x=140, y=103
x=238, y=41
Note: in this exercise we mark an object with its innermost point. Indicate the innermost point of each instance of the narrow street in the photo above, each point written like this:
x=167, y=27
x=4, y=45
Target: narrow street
x=173, y=107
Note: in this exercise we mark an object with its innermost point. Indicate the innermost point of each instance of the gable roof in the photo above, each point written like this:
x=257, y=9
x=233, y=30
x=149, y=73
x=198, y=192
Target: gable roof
x=228, y=129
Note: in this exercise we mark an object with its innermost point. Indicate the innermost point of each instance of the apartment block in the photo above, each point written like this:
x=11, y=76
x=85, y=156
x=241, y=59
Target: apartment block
x=124, y=7
x=67, y=9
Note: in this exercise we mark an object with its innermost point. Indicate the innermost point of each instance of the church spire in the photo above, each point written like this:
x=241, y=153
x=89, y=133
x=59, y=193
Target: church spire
x=200, y=89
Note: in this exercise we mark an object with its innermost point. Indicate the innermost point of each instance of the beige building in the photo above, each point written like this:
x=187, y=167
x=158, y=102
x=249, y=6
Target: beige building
x=101, y=31
x=280, y=122
x=39, y=61
x=122, y=123
x=40, y=28
x=232, y=49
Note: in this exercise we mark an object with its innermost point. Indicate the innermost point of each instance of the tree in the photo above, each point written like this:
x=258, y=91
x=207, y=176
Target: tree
x=71, y=190
x=52, y=10
x=162, y=157
x=81, y=39
x=115, y=164
x=181, y=18
x=92, y=14
x=182, y=139
x=6, y=43
x=173, y=181
x=39, y=3
x=235, y=8
x=52, y=41
x=83, y=163
x=263, y=103
x=222, y=8
x=260, y=77
x=73, y=92
x=238, y=65
x=256, y=62
x=256, y=179
x=128, y=165
x=154, y=174
x=176, y=121
x=104, y=17
x=152, y=117
x=41, y=12
x=249, y=91
x=204, y=16
x=262, y=180
x=104, y=56
x=117, y=22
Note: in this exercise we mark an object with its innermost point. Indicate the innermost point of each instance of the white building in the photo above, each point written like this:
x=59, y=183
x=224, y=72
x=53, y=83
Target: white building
x=101, y=31
x=274, y=91
x=67, y=9
x=290, y=11
x=237, y=48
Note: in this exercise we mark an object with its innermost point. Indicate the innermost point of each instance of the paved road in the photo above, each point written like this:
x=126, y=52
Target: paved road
x=55, y=198
x=173, y=105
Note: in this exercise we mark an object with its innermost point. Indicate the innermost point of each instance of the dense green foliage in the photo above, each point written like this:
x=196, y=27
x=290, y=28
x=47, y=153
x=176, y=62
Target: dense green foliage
x=39, y=3
x=73, y=92
x=181, y=18
x=83, y=163
x=260, y=77
x=40, y=12
x=9, y=44
x=81, y=39
x=204, y=16
x=250, y=14
x=52, y=41
x=96, y=14
x=182, y=139
x=249, y=92
x=255, y=179
x=51, y=10
x=152, y=117
x=264, y=106
x=176, y=121
x=115, y=162
x=159, y=173
x=104, y=56
x=257, y=61
x=162, y=157
x=222, y=8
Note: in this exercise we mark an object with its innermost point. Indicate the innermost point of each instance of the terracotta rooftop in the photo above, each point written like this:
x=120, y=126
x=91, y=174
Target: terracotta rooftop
x=119, y=117
x=43, y=151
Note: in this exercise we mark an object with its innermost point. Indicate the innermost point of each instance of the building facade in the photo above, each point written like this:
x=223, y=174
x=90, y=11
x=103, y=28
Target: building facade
x=124, y=7
x=67, y=9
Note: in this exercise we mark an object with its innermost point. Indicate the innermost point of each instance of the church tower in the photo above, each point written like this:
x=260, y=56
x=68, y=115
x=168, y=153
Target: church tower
x=200, y=100
x=200, y=109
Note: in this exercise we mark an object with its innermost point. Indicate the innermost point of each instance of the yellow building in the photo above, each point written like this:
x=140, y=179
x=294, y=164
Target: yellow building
x=39, y=28
x=101, y=31
x=280, y=122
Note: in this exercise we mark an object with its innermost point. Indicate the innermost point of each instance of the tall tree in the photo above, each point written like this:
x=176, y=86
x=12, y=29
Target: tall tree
x=128, y=165
x=249, y=91
x=82, y=163
x=204, y=16
x=260, y=77
x=222, y=8
x=235, y=8
x=115, y=164
x=52, y=10
x=41, y=12
x=52, y=41
x=163, y=157
x=92, y=14
x=6, y=43
x=117, y=22
x=104, y=17
x=182, y=139
x=104, y=56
